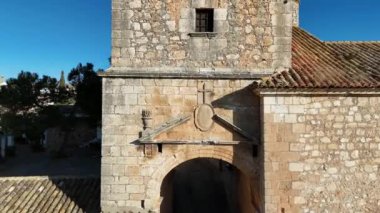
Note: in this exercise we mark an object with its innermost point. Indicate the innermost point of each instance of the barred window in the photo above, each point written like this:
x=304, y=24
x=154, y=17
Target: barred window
x=204, y=20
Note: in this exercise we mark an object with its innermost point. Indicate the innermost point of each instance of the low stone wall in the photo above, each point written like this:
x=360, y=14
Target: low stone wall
x=322, y=153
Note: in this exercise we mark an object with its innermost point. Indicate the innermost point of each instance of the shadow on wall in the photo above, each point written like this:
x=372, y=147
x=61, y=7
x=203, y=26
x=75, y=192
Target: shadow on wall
x=245, y=107
x=246, y=111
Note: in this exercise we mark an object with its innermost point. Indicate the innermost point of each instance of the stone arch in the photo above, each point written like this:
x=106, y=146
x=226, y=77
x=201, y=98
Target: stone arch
x=240, y=160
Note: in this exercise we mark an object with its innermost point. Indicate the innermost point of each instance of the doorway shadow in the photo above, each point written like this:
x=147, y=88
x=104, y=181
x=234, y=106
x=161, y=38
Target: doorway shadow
x=205, y=185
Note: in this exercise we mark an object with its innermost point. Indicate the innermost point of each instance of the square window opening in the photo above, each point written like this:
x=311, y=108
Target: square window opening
x=204, y=20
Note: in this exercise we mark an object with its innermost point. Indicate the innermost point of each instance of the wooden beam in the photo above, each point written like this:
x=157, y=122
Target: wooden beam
x=148, y=135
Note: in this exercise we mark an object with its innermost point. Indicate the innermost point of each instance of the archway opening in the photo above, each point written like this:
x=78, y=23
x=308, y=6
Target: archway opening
x=206, y=185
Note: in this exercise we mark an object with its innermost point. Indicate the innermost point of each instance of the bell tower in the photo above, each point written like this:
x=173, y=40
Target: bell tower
x=191, y=36
x=177, y=91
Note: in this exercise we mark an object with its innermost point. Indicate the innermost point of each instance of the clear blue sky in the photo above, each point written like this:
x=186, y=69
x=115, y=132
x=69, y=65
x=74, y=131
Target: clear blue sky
x=357, y=20
x=47, y=36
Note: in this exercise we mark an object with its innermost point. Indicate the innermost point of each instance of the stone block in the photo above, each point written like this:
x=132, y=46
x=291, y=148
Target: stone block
x=131, y=99
x=187, y=13
x=282, y=20
x=221, y=26
x=270, y=100
x=220, y=14
x=298, y=128
x=135, y=4
x=106, y=169
x=299, y=200
x=171, y=25
x=177, y=55
x=138, y=180
x=135, y=189
x=118, y=170
x=118, y=189
x=137, y=196
x=298, y=185
x=115, y=151
x=200, y=3
x=118, y=197
x=290, y=118
x=296, y=167
x=279, y=109
x=218, y=44
x=107, y=179
x=296, y=109
x=146, y=26
x=186, y=26
x=133, y=170
x=297, y=147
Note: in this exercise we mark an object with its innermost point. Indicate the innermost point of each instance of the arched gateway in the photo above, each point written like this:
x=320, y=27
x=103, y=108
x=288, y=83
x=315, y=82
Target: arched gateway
x=231, y=181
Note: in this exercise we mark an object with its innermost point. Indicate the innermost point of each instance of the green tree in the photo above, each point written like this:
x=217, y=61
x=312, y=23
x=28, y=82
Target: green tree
x=26, y=100
x=88, y=90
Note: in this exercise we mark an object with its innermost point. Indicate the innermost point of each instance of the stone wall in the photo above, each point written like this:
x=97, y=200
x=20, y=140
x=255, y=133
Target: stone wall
x=131, y=180
x=252, y=35
x=322, y=153
x=296, y=13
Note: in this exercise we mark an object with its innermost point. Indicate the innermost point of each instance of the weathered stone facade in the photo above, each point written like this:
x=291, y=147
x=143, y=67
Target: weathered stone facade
x=252, y=35
x=322, y=152
x=129, y=175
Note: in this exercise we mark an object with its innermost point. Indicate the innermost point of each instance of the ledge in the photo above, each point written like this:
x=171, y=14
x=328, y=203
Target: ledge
x=183, y=73
x=189, y=75
x=203, y=34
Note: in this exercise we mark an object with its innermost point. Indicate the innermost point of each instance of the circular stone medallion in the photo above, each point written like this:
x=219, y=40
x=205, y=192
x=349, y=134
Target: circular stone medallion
x=203, y=117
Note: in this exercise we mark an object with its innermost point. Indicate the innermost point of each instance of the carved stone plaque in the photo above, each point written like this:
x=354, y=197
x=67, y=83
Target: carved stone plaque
x=204, y=112
x=203, y=117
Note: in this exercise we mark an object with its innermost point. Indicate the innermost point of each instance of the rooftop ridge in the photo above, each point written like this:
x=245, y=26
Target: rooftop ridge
x=307, y=32
x=351, y=42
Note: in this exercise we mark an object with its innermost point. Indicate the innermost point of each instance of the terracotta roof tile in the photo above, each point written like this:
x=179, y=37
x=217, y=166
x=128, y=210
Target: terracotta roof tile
x=317, y=64
x=38, y=194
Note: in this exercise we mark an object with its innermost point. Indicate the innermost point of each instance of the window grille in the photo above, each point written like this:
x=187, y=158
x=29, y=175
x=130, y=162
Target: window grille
x=204, y=20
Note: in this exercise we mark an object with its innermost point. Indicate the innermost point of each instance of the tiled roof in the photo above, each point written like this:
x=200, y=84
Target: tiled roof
x=317, y=64
x=39, y=194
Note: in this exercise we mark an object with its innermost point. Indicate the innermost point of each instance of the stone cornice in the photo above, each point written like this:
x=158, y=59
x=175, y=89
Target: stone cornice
x=184, y=73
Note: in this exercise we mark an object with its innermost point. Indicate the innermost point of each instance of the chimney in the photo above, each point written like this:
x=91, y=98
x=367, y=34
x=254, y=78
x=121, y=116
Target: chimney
x=296, y=12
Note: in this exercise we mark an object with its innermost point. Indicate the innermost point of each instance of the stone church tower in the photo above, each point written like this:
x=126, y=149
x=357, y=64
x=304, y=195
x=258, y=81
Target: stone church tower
x=180, y=128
